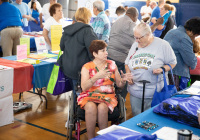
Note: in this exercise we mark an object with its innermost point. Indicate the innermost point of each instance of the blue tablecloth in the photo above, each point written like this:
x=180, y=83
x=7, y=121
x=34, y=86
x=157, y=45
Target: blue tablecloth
x=42, y=72
x=157, y=119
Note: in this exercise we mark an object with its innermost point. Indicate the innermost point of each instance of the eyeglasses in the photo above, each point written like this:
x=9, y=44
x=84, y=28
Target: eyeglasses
x=138, y=38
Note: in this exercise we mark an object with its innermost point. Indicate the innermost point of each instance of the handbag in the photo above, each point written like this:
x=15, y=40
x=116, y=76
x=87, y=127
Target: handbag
x=166, y=92
x=58, y=82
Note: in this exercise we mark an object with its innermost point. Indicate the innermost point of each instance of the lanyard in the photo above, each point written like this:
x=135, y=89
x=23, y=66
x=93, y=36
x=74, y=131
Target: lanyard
x=134, y=52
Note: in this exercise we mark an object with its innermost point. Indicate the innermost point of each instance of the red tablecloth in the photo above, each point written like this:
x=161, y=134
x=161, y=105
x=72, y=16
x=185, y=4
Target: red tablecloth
x=23, y=74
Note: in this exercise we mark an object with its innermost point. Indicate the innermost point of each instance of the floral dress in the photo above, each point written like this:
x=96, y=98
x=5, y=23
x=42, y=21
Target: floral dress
x=103, y=90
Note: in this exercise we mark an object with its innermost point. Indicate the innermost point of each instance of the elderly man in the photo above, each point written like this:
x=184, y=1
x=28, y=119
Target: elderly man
x=121, y=39
x=146, y=11
x=25, y=12
x=101, y=24
x=153, y=4
x=10, y=27
x=45, y=11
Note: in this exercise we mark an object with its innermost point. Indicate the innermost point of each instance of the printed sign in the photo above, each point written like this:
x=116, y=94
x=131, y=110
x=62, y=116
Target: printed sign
x=21, y=52
x=26, y=41
x=40, y=44
x=56, y=34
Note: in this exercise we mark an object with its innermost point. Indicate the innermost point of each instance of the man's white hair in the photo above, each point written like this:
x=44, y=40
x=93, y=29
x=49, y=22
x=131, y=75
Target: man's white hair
x=153, y=2
x=99, y=4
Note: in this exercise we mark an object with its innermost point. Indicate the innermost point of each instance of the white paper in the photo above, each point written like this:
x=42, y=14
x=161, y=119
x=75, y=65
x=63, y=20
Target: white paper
x=112, y=128
x=168, y=133
x=194, y=89
x=49, y=60
x=40, y=44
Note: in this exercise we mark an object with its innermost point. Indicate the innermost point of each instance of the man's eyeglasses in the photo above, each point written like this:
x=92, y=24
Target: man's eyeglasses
x=138, y=38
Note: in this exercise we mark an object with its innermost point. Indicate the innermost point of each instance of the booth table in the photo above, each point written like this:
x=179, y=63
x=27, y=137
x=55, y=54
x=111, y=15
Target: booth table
x=23, y=74
x=161, y=121
x=37, y=76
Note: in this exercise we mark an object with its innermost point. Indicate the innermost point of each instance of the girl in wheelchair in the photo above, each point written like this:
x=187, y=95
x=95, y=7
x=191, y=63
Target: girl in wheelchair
x=97, y=82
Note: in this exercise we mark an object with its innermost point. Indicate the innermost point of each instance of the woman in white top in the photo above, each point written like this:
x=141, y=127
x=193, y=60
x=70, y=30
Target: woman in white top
x=55, y=19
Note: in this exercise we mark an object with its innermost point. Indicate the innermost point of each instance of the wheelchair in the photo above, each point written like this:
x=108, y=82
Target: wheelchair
x=75, y=114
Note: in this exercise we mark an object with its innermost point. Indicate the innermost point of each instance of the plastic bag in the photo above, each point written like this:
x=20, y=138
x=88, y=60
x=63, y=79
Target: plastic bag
x=123, y=134
x=183, y=110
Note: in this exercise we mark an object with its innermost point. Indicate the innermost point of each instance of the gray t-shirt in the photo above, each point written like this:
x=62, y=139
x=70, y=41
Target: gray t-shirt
x=143, y=61
x=121, y=38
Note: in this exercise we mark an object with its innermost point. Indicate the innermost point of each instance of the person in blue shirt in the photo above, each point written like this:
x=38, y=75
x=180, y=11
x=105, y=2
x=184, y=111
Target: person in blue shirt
x=10, y=27
x=156, y=11
x=35, y=12
x=25, y=12
x=35, y=20
x=181, y=41
x=163, y=10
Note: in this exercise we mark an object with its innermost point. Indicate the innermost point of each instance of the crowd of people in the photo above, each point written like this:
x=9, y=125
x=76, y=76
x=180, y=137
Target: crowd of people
x=126, y=51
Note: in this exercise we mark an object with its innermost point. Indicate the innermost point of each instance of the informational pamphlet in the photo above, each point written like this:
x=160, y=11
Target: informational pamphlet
x=21, y=52
x=56, y=34
x=40, y=44
x=25, y=41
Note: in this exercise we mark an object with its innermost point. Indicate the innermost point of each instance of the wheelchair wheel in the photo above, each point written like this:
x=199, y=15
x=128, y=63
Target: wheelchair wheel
x=70, y=126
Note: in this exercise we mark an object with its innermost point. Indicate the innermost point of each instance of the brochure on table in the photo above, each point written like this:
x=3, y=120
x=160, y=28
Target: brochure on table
x=21, y=52
x=40, y=45
x=25, y=41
